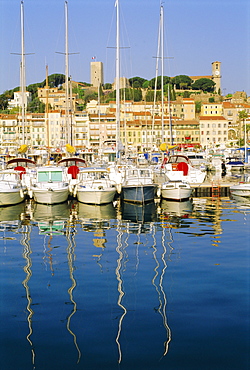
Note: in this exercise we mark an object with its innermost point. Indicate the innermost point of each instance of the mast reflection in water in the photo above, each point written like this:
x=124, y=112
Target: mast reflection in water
x=125, y=286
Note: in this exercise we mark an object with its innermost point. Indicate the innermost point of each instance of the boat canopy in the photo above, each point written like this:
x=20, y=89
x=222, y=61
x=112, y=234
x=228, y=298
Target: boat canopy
x=24, y=162
x=72, y=161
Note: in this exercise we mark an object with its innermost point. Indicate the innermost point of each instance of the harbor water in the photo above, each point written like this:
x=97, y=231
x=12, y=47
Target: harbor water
x=160, y=286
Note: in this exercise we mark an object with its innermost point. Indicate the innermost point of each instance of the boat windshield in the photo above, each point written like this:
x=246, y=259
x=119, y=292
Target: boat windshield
x=46, y=176
x=178, y=159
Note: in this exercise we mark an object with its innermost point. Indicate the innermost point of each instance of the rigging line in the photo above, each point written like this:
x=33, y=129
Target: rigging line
x=108, y=40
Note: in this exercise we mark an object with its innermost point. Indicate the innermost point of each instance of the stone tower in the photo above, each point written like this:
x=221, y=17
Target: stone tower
x=96, y=73
x=216, y=75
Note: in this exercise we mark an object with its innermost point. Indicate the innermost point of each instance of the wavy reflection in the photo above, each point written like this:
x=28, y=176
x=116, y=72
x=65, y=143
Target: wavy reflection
x=27, y=270
x=159, y=275
x=70, y=234
x=120, y=290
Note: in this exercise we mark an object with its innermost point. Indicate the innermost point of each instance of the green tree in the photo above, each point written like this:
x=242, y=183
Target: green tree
x=198, y=107
x=137, y=82
x=150, y=96
x=182, y=82
x=151, y=84
x=3, y=102
x=107, y=86
x=204, y=84
x=36, y=106
x=145, y=85
x=242, y=115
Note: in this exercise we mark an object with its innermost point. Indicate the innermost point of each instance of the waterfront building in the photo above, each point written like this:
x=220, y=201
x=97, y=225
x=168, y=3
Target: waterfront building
x=186, y=133
x=56, y=98
x=213, y=130
x=8, y=133
x=18, y=97
x=81, y=134
x=183, y=108
x=211, y=109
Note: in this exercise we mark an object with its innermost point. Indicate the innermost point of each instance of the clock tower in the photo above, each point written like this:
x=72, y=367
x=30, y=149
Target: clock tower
x=216, y=75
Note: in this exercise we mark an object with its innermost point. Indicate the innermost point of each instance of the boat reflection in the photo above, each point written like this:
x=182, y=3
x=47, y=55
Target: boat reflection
x=95, y=212
x=43, y=212
x=10, y=218
x=241, y=202
x=179, y=209
x=138, y=212
x=57, y=220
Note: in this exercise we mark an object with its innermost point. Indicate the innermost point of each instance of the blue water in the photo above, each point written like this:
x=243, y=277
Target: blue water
x=125, y=287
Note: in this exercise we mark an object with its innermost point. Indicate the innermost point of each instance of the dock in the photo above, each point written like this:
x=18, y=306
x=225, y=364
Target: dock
x=211, y=189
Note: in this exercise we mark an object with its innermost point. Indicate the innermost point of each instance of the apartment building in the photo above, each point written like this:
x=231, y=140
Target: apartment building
x=213, y=130
x=18, y=99
x=8, y=133
x=56, y=98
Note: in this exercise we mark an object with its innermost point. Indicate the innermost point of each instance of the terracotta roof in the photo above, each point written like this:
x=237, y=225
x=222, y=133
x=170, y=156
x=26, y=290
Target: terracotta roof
x=227, y=104
x=212, y=118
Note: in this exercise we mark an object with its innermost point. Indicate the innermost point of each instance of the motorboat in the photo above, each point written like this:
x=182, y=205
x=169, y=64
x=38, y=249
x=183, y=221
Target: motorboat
x=11, y=189
x=234, y=164
x=198, y=160
x=179, y=167
x=74, y=166
x=95, y=187
x=241, y=189
x=176, y=190
x=138, y=185
x=49, y=185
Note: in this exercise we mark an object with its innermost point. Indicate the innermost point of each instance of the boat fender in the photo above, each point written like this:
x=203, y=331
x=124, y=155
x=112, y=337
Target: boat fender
x=75, y=192
x=119, y=188
x=21, y=193
x=158, y=192
x=30, y=193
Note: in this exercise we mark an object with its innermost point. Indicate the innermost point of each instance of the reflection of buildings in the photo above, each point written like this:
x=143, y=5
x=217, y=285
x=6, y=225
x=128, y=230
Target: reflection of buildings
x=209, y=210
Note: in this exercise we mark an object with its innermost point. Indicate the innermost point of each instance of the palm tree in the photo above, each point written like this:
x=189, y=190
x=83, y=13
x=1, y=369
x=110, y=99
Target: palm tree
x=242, y=116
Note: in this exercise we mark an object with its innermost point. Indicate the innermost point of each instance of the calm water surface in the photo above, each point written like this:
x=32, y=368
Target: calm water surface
x=160, y=287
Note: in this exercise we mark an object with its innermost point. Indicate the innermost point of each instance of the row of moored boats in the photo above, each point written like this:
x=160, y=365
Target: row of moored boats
x=52, y=184
x=71, y=177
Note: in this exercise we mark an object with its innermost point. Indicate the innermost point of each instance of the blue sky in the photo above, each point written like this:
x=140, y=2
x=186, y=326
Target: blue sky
x=196, y=33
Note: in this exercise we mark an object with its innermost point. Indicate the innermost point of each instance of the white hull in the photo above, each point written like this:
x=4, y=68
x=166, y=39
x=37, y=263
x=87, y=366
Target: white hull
x=242, y=190
x=194, y=177
x=11, y=197
x=50, y=196
x=96, y=196
x=176, y=191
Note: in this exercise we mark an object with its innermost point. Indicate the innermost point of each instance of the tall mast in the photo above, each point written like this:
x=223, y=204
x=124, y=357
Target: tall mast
x=22, y=73
x=117, y=79
x=47, y=112
x=162, y=73
x=67, y=131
